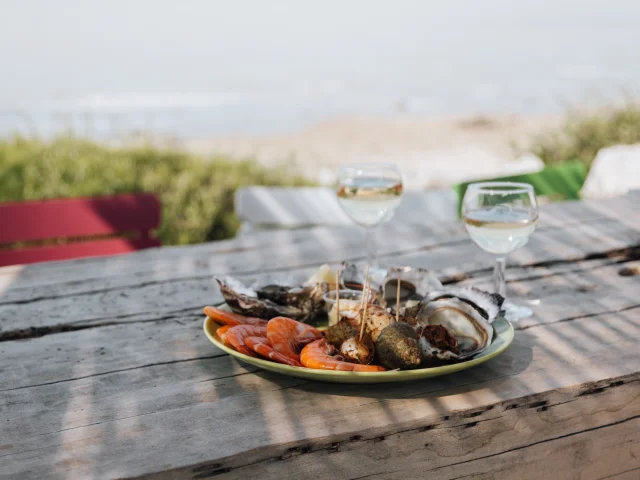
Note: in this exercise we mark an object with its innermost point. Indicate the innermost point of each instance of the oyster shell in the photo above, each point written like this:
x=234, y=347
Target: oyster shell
x=463, y=319
x=268, y=301
x=487, y=304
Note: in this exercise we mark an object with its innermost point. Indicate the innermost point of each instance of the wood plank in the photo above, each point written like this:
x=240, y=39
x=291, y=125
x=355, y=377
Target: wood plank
x=571, y=295
x=91, y=274
x=178, y=296
x=124, y=405
x=189, y=425
x=145, y=389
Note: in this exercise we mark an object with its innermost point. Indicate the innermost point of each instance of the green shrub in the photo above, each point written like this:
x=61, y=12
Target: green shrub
x=196, y=192
x=584, y=134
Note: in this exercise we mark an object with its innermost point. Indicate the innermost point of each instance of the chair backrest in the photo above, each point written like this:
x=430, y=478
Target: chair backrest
x=556, y=183
x=94, y=226
x=297, y=207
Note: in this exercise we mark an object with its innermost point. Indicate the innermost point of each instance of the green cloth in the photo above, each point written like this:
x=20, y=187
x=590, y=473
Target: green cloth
x=556, y=183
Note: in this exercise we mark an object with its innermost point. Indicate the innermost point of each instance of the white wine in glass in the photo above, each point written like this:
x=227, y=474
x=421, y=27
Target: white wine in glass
x=500, y=217
x=369, y=194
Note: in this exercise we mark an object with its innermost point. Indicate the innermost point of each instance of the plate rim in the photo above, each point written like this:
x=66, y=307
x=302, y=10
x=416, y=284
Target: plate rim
x=210, y=327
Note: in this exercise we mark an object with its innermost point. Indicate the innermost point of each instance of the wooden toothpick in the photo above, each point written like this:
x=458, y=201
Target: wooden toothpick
x=398, y=300
x=366, y=304
x=364, y=287
x=338, y=295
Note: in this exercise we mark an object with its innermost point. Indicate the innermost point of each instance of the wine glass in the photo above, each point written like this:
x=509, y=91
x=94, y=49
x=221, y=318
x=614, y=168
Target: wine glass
x=369, y=193
x=500, y=217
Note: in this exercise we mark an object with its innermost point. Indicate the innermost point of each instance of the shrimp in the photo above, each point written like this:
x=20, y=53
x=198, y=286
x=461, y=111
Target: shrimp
x=237, y=334
x=322, y=355
x=222, y=332
x=288, y=336
x=261, y=346
x=229, y=318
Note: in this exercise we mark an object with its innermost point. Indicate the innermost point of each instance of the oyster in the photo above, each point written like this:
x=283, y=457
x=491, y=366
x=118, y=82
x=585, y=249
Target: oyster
x=268, y=301
x=465, y=315
x=436, y=342
x=487, y=304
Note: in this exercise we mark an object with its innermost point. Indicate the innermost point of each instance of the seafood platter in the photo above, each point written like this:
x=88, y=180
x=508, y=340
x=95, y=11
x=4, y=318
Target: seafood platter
x=359, y=325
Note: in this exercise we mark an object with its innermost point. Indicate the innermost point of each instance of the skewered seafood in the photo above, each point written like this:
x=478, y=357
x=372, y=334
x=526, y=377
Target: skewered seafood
x=398, y=347
x=376, y=320
x=357, y=350
x=347, y=327
x=321, y=355
x=415, y=283
x=268, y=301
x=431, y=323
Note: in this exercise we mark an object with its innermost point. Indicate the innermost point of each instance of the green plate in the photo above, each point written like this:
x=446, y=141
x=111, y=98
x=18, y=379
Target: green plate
x=501, y=340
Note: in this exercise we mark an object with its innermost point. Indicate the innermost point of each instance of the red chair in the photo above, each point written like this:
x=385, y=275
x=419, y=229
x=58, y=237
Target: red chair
x=79, y=219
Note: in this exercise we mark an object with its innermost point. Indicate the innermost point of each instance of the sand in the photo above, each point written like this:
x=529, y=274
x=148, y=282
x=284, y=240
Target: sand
x=432, y=152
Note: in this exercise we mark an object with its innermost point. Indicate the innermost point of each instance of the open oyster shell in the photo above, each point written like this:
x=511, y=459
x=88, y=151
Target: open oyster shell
x=273, y=300
x=466, y=314
x=487, y=304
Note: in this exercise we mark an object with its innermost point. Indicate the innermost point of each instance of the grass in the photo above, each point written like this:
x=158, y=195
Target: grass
x=196, y=192
x=583, y=134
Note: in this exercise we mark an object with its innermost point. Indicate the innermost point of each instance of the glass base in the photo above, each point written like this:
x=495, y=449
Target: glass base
x=513, y=312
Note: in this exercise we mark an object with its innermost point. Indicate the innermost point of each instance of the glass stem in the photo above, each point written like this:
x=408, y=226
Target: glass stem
x=499, y=282
x=372, y=257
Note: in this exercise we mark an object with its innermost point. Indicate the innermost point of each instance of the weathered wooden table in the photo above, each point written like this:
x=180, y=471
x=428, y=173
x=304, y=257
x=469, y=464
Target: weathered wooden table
x=105, y=371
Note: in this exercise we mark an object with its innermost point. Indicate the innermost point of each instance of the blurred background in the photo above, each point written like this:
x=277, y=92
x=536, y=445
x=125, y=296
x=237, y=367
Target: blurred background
x=193, y=99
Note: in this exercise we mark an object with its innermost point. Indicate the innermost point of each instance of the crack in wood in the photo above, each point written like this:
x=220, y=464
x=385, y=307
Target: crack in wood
x=621, y=255
x=332, y=447
x=560, y=437
x=619, y=473
x=374, y=474
x=36, y=332
x=102, y=290
x=100, y=374
x=578, y=317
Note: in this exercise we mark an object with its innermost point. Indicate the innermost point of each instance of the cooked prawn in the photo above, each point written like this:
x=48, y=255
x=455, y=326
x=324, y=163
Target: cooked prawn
x=261, y=346
x=224, y=317
x=236, y=337
x=322, y=355
x=222, y=332
x=288, y=336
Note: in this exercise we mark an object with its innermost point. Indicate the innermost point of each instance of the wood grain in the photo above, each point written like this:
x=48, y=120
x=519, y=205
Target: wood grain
x=116, y=380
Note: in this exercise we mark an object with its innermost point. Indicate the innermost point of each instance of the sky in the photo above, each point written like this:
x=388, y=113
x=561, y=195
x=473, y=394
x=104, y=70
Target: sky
x=75, y=50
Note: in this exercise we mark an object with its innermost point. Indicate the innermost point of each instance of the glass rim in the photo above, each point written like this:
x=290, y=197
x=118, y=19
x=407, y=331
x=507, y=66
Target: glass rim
x=501, y=187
